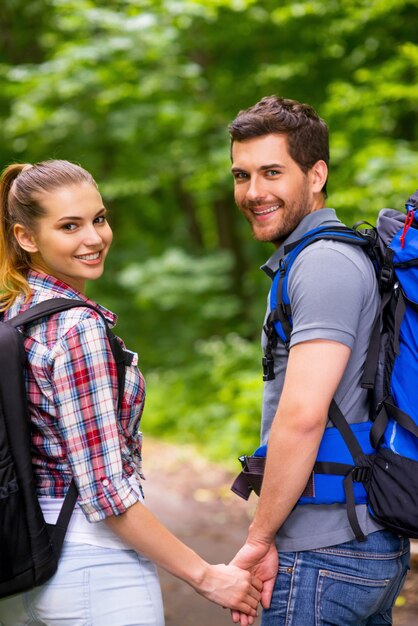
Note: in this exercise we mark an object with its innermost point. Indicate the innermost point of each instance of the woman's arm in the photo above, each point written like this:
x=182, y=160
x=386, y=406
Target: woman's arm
x=226, y=585
x=88, y=425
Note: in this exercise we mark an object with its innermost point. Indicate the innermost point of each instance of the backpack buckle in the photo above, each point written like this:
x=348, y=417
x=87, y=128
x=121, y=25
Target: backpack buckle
x=360, y=474
x=387, y=272
x=268, y=368
x=386, y=277
x=243, y=460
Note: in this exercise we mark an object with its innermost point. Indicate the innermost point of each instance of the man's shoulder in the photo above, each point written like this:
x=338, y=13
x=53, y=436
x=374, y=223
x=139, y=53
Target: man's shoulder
x=330, y=266
x=327, y=252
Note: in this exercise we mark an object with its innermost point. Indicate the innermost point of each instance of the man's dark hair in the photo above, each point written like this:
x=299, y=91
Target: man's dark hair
x=307, y=133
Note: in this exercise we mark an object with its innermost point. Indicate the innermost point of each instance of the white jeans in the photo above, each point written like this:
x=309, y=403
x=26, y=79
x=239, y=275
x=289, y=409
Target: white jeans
x=93, y=586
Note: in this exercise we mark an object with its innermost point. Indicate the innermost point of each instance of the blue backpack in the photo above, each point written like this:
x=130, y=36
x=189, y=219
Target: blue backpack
x=375, y=462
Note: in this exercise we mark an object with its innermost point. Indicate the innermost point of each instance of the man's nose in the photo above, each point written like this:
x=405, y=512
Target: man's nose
x=255, y=189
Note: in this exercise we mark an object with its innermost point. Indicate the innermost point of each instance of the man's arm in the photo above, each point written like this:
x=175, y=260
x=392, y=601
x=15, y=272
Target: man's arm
x=313, y=373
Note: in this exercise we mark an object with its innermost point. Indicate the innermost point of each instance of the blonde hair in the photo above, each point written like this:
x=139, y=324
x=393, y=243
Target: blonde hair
x=21, y=188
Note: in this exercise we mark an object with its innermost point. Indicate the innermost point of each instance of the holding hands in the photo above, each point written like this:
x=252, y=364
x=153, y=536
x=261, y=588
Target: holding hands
x=261, y=559
x=232, y=587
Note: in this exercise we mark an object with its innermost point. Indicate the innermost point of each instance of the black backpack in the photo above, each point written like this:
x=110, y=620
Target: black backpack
x=29, y=547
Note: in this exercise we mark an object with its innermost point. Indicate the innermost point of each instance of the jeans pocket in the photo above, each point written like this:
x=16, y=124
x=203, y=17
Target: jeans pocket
x=346, y=600
x=64, y=599
x=277, y=614
x=393, y=592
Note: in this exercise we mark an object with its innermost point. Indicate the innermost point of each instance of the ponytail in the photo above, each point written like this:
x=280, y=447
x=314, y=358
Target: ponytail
x=21, y=189
x=14, y=262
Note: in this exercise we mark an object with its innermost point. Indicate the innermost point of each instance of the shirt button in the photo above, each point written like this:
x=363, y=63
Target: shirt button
x=105, y=482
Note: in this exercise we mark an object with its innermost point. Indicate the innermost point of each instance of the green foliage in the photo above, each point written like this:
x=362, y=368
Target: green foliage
x=141, y=92
x=214, y=401
x=191, y=298
x=178, y=280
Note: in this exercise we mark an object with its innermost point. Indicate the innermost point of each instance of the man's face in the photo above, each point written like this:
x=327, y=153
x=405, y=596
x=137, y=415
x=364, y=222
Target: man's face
x=270, y=189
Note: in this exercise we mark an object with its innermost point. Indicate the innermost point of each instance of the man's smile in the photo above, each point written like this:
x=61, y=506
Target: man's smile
x=271, y=209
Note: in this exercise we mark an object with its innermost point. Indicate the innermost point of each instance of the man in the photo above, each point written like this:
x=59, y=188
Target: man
x=280, y=155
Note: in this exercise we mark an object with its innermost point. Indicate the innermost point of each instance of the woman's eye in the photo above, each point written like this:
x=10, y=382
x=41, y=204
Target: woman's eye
x=69, y=226
x=100, y=220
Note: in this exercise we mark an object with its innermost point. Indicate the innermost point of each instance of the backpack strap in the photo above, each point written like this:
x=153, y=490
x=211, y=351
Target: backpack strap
x=359, y=472
x=373, y=352
x=387, y=406
x=58, y=530
x=57, y=305
x=387, y=410
x=122, y=359
x=279, y=321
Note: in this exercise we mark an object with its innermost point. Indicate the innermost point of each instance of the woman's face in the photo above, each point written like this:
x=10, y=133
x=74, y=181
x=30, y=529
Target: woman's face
x=72, y=238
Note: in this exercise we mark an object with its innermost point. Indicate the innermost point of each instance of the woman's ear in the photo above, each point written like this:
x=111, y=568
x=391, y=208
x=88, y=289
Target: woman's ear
x=24, y=238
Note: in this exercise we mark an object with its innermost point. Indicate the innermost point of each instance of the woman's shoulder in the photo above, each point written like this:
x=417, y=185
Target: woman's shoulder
x=52, y=327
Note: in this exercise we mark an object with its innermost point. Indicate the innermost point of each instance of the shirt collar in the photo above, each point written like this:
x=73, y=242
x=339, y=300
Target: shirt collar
x=40, y=282
x=322, y=217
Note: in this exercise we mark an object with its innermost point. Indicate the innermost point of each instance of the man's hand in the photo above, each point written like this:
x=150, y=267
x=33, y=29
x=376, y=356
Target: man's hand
x=262, y=561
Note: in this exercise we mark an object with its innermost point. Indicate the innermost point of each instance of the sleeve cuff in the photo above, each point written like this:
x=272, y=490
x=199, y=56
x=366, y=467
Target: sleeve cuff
x=113, y=498
x=326, y=334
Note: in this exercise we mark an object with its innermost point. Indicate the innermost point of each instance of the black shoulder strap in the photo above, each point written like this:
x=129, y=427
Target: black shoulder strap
x=57, y=305
x=122, y=358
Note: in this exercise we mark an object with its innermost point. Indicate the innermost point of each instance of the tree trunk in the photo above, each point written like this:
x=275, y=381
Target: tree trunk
x=226, y=216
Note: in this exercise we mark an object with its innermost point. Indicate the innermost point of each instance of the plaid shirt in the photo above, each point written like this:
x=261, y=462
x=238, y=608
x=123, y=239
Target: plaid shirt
x=72, y=388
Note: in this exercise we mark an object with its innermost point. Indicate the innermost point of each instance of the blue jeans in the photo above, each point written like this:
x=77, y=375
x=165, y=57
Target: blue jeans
x=93, y=586
x=352, y=584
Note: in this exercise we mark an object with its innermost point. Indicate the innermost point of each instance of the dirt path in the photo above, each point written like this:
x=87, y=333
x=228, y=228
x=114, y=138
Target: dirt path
x=193, y=498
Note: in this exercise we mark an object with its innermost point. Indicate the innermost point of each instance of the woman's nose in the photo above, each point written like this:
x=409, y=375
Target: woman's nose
x=92, y=237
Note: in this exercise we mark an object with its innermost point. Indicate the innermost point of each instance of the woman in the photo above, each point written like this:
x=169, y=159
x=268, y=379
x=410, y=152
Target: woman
x=54, y=236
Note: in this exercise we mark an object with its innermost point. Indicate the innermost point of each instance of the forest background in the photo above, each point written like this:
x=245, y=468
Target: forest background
x=140, y=92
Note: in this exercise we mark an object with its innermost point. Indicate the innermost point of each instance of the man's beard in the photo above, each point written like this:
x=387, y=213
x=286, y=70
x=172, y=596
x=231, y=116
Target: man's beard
x=292, y=215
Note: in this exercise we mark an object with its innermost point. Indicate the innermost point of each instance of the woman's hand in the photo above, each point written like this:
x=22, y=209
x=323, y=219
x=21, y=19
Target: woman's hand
x=231, y=587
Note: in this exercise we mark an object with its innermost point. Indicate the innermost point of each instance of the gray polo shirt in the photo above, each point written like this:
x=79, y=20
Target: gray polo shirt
x=334, y=296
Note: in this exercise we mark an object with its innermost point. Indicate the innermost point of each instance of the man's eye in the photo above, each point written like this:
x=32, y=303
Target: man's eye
x=272, y=172
x=240, y=175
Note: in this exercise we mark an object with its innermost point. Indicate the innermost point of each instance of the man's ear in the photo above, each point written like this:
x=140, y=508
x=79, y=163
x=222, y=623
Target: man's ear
x=319, y=175
x=24, y=238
